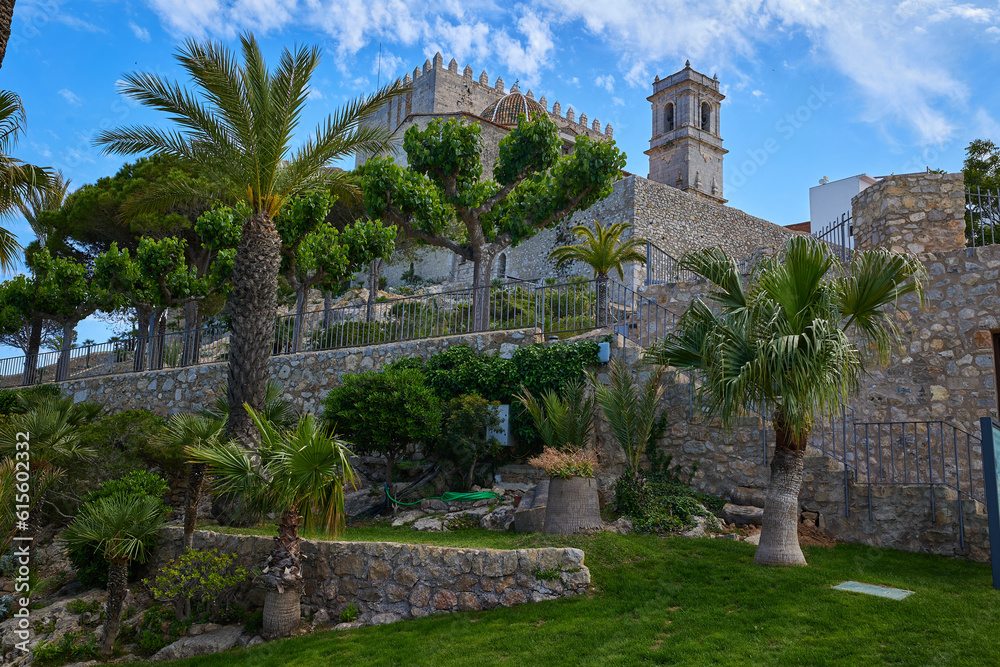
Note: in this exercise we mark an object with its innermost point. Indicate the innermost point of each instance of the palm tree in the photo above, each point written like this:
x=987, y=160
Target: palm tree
x=563, y=422
x=38, y=201
x=604, y=251
x=237, y=125
x=6, y=16
x=18, y=180
x=124, y=530
x=794, y=340
x=299, y=474
x=630, y=409
x=187, y=430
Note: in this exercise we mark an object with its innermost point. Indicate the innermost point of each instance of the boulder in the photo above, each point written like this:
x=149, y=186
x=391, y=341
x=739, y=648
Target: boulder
x=529, y=520
x=622, y=526
x=428, y=523
x=499, y=519
x=742, y=515
x=700, y=528
x=204, y=644
x=406, y=517
x=745, y=495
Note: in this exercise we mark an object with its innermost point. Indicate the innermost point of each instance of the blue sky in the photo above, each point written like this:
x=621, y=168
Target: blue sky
x=813, y=88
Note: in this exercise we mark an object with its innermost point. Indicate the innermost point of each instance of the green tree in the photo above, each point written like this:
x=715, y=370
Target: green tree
x=464, y=440
x=795, y=340
x=18, y=180
x=604, y=251
x=982, y=165
x=298, y=474
x=237, y=126
x=383, y=412
x=442, y=200
x=317, y=254
x=60, y=291
x=124, y=530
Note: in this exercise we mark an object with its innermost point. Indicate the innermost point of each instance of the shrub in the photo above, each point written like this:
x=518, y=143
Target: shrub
x=660, y=501
x=384, y=412
x=158, y=628
x=463, y=441
x=90, y=565
x=564, y=465
x=199, y=583
x=72, y=646
x=458, y=370
x=9, y=403
x=350, y=613
x=129, y=438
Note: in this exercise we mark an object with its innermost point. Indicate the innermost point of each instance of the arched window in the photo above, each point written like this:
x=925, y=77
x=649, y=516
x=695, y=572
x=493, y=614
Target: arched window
x=668, y=117
x=706, y=116
x=502, y=266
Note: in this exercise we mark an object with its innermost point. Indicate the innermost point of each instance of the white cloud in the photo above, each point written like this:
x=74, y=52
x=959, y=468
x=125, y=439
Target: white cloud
x=71, y=97
x=140, y=33
x=993, y=32
x=605, y=81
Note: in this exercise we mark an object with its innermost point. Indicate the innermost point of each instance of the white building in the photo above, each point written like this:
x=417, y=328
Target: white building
x=830, y=200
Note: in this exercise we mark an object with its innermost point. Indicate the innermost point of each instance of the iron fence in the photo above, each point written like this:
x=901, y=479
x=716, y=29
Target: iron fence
x=840, y=235
x=662, y=268
x=559, y=310
x=982, y=217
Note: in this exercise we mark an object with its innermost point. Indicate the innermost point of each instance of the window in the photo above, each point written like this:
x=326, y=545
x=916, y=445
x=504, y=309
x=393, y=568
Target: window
x=668, y=117
x=706, y=117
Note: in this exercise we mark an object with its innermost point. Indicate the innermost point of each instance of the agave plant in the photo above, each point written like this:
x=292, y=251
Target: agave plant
x=631, y=409
x=564, y=422
x=124, y=529
x=299, y=474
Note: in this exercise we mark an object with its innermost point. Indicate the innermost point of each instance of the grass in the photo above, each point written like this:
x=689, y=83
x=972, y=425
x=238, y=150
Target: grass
x=681, y=601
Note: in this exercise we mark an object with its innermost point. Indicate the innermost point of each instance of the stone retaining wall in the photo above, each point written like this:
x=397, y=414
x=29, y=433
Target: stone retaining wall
x=390, y=582
x=305, y=377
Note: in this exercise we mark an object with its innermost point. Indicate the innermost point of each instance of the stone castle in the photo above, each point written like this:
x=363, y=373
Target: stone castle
x=678, y=207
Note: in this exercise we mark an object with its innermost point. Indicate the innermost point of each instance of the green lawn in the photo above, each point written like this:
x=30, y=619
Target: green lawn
x=681, y=601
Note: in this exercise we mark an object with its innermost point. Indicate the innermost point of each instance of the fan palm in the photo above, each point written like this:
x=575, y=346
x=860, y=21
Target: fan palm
x=563, y=422
x=630, y=409
x=124, y=529
x=53, y=429
x=299, y=474
x=237, y=125
x=604, y=251
x=18, y=180
x=795, y=339
x=183, y=431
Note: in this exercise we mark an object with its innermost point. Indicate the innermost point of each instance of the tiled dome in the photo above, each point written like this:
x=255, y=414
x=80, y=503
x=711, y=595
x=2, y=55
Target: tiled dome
x=506, y=110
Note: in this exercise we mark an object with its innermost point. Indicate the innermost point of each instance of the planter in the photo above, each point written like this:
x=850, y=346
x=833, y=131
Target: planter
x=573, y=506
x=281, y=613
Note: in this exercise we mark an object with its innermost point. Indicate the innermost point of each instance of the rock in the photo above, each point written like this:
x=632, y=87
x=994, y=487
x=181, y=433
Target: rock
x=428, y=523
x=321, y=617
x=753, y=539
x=622, y=526
x=700, y=528
x=203, y=644
x=406, y=517
x=256, y=640
x=745, y=495
x=434, y=505
x=382, y=619
x=499, y=519
x=530, y=520
x=359, y=501
x=353, y=625
x=742, y=515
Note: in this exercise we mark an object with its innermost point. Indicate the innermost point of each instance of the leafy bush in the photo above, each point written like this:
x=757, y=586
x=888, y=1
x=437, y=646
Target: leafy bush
x=199, y=583
x=458, y=370
x=384, y=412
x=72, y=646
x=660, y=501
x=91, y=567
x=463, y=441
x=128, y=439
x=9, y=403
x=350, y=613
x=158, y=628
x=565, y=464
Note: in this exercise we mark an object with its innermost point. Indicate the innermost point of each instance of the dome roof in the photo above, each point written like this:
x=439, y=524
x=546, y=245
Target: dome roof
x=506, y=110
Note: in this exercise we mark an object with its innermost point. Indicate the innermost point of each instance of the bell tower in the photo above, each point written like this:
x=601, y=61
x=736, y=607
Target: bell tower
x=685, y=150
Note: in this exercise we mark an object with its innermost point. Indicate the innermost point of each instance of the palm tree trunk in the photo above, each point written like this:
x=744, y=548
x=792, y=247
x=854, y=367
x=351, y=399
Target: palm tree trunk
x=117, y=582
x=603, y=316
x=281, y=604
x=6, y=16
x=779, y=532
x=34, y=344
x=252, y=304
x=196, y=476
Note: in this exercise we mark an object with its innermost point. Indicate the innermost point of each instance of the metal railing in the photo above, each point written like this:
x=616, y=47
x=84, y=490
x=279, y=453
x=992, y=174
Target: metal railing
x=840, y=235
x=662, y=268
x=982, y=217
x=550, y=309
x=930, y=453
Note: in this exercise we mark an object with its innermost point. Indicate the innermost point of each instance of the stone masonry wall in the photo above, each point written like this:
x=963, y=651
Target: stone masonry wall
x=305, y=377
x=389, y=582
x=914, y=213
